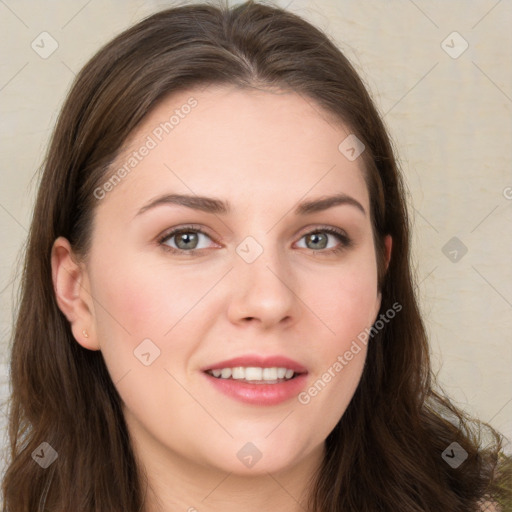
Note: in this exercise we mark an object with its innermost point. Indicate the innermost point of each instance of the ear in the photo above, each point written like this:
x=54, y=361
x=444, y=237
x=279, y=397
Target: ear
x=71, y=288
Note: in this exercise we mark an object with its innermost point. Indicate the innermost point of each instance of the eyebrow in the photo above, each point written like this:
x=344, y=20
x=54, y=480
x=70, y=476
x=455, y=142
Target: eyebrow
x=217, y=206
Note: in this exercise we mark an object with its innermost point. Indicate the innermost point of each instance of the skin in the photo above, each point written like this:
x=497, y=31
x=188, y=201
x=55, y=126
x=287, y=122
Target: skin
x=264, y=153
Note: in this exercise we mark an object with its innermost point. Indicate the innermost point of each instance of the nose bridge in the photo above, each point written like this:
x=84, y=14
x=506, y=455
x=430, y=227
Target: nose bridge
x=264, y=281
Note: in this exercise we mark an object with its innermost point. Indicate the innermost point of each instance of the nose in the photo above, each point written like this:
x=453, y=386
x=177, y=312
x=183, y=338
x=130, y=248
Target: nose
x=264, y=290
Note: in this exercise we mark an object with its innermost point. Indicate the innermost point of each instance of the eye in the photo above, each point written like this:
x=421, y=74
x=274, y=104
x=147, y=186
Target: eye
x=186, y=240
x=319, y=239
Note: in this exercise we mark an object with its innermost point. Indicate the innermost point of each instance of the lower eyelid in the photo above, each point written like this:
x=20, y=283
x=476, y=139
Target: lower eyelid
x=342, y=238
x=171, y=235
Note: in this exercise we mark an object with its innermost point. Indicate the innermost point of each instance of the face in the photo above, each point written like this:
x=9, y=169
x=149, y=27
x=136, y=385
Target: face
x=253, y=278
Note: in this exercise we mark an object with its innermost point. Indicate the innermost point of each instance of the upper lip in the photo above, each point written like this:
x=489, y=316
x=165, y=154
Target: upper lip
x=258, y=362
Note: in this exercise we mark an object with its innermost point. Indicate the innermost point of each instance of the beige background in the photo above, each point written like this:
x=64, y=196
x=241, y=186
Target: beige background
x=450, y=119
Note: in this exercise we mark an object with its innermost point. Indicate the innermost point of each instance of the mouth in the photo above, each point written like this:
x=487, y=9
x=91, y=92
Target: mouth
x=255, y=374
x=257, y=380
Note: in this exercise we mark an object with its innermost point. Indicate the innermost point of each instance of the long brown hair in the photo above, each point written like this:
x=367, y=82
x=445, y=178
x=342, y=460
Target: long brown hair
x=386, y=451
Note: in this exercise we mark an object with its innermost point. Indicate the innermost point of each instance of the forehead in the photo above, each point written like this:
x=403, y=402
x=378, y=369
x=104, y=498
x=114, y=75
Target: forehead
x=244, y=144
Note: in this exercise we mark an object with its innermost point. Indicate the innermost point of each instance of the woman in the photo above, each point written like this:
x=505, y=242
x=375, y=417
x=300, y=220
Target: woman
x=217, y=308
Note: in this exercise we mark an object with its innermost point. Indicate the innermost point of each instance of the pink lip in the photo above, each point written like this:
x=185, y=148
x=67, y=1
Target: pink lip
x=259, y=394
x=259, y=362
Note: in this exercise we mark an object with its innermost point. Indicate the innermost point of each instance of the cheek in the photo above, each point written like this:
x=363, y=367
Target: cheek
x=345, y=299
x=329, y=392
x=144, y=303
x=134, y=303
x=347, y=312
x=347, y=317
x=144, y=300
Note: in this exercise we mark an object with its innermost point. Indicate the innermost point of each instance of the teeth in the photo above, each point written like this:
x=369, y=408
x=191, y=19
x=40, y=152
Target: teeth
x=225, y=373
x=253, y=373
x=269, y=373
x=238, y=373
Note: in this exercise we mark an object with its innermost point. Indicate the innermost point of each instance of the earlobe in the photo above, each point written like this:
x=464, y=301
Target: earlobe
x=70, y=285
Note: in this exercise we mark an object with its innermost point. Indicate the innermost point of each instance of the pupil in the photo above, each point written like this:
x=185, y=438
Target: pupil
x=186, y=236
x=314, y=237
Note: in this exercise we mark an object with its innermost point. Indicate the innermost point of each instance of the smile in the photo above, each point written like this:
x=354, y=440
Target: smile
x=254, y=374
x=257, y=386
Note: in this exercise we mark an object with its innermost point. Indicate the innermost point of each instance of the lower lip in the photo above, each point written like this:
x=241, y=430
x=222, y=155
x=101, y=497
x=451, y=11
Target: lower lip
x=259, y=394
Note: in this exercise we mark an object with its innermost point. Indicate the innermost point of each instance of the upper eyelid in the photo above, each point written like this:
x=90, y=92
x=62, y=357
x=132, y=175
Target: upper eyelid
x=174, y=231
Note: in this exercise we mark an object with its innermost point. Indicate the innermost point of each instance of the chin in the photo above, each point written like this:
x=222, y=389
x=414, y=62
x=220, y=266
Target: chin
x=259, y=458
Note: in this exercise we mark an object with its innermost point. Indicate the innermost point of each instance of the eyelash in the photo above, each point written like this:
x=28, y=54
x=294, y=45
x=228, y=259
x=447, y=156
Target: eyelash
x=346, y=242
